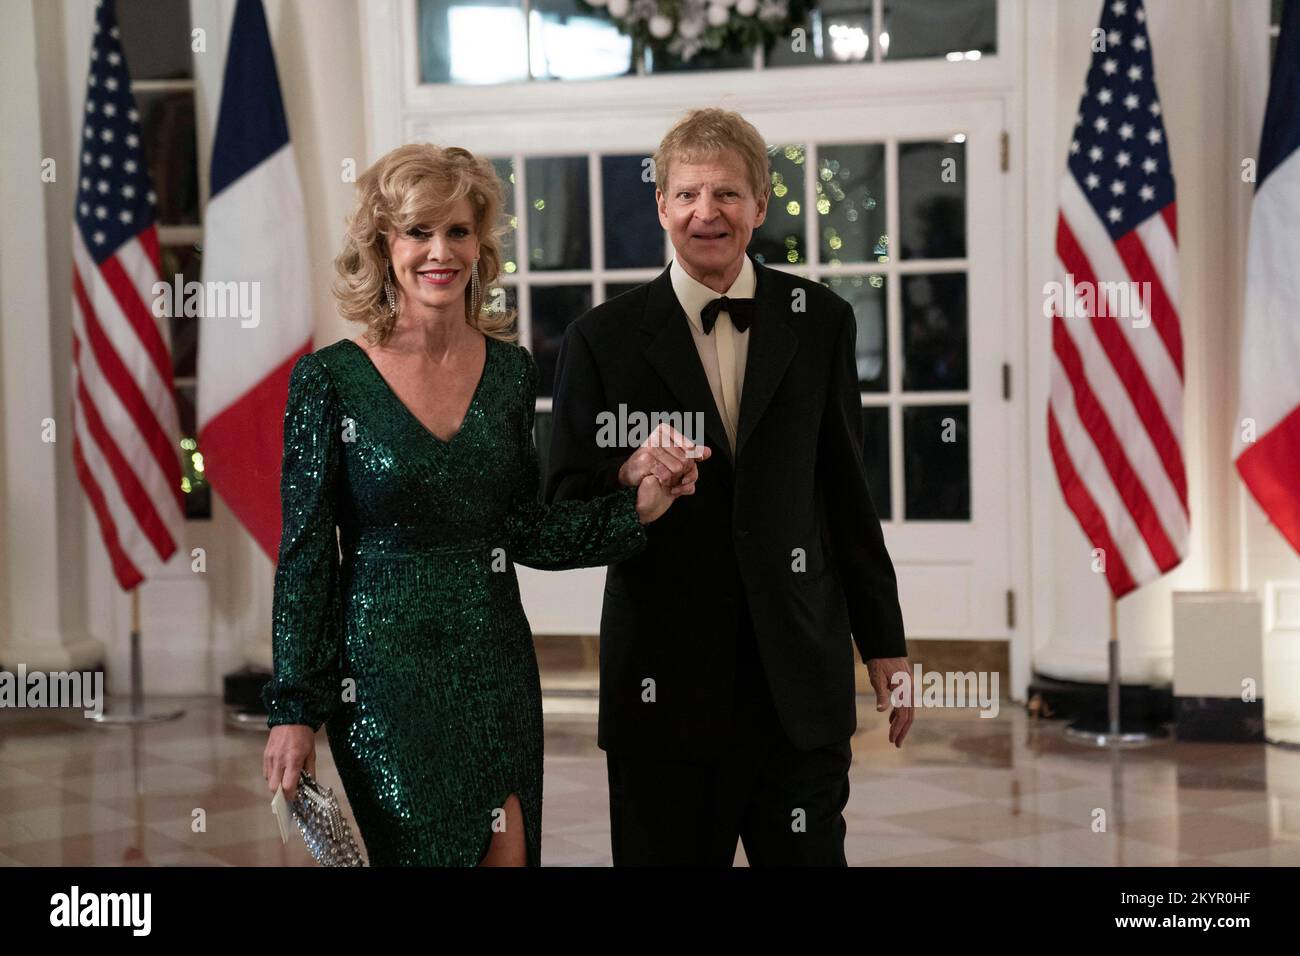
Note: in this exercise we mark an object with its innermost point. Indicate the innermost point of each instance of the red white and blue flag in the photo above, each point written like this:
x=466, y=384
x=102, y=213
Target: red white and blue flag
x=1267, y=448
x=254, y=234
x=125, y=443
x=1115, y=417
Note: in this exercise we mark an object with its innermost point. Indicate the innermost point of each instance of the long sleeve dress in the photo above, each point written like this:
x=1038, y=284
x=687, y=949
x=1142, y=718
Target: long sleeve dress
x=404, y=634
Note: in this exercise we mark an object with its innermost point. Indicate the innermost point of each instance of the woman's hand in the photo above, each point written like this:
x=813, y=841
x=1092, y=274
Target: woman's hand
x=652, y=499
x=291, y=747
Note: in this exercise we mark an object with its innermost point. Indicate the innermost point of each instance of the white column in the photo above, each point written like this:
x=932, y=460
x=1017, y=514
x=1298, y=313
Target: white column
x=41, y=593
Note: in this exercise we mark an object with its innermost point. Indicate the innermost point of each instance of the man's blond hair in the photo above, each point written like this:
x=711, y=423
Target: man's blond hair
x=706, y=133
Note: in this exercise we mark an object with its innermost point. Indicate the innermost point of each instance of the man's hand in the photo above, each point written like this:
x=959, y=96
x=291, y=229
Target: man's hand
x=668, y=455
x=881, y=671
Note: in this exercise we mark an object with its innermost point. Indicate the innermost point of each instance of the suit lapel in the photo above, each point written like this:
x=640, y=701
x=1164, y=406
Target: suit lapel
x=772, y=344
x=670, y=349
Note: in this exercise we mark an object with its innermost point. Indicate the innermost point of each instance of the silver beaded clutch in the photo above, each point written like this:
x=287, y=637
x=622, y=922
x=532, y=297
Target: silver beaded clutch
x=322, y=824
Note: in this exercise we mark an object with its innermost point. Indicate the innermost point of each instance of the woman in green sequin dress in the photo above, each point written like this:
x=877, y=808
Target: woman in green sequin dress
x=412, y=646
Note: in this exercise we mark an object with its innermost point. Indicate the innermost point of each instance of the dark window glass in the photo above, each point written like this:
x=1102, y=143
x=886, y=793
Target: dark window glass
x=553, y=308
x=939, y=28
x=851, y=203
x=704, y=60
x=936, y=462
x=867, y=296
x=505, y=170
x=183, y=264
x=780, y=239
x=196, y=492
x=838, y=31
x=633, y=237
x=932, y=200
x=167, y=123
x=559, y=212
x=934, y=332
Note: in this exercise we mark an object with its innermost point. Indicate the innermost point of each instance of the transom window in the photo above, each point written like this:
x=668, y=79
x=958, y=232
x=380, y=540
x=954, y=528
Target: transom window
x=514, y=41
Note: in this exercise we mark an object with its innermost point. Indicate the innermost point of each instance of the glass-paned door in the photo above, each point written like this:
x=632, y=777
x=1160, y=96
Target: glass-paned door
x=898, y=212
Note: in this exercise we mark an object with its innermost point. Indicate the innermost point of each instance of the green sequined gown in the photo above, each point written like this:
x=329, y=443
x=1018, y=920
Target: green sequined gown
x=422, y=610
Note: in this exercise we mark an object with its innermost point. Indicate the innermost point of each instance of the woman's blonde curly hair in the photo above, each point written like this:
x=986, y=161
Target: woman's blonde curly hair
x=416, y=185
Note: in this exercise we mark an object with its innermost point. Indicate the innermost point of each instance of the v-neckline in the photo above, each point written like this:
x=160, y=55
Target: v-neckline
x=469, y=409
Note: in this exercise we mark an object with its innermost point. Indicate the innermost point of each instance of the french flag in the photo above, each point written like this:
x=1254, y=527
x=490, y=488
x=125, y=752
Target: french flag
x=255, y=235
x=1267, y=448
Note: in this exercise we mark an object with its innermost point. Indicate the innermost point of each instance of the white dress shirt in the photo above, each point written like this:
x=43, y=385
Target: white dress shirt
x=723, y=352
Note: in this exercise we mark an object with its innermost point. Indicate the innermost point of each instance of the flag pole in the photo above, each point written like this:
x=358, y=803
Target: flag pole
x=1113, y=652
x=137, y=713
x=1087, y=729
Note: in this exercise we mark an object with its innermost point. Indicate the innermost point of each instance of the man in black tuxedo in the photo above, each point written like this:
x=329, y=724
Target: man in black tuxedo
x=727, y=698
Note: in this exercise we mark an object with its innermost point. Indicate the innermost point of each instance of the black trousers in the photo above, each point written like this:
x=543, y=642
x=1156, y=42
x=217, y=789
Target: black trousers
x=785, y=805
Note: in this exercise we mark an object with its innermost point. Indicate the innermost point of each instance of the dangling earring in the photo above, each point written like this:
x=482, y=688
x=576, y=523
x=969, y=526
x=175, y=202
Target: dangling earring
x=475, y=292
x=388, y=292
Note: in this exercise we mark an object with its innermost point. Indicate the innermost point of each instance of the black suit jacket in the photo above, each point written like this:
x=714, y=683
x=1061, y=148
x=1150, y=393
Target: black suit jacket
x=671, y=613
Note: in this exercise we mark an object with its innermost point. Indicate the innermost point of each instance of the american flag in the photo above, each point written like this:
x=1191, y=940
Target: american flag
x=1115, y=417
x=125, y=428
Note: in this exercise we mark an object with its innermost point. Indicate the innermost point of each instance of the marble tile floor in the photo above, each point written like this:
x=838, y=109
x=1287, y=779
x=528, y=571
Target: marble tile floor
x=964, y=791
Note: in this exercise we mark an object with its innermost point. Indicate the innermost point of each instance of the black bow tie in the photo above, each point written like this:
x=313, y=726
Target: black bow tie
x=742, y=312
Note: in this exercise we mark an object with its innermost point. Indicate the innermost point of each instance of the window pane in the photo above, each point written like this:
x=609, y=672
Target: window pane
x=196, y=492
x=570, y=43
x=780, y=239
x=155, y=37
x=553, y=308
x=559, y=212
x=505, y=169
x=875, y=455
x=934, y=332
x=956, y=29
x=704, y=60
x=936, y=462
x=633, y=237
x=867, y=296
x=932, y=199
x=481, y=42
x=183, y=264
x=167, y=127
x=851, y=203
x=839, y=31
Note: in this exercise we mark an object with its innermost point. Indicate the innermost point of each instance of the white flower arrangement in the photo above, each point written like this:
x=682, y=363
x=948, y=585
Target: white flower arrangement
x=685, y=27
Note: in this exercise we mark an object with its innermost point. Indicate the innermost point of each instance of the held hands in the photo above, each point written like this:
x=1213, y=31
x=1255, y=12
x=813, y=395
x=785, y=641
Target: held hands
x=662, y=469
x=291, y=747
x=881, y=670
